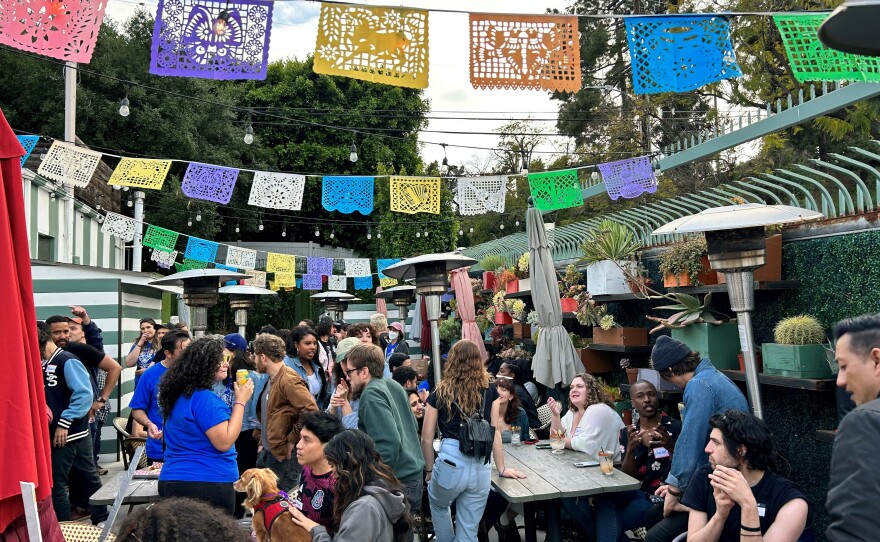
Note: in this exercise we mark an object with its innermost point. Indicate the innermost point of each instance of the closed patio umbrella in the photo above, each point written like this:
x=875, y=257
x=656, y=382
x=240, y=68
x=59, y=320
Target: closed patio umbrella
x=555, y=360
x=381, y=307
x=464, y=299
x=24, y=450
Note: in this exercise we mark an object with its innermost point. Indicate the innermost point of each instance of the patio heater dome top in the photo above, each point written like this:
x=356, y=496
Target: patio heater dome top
x=852, y=28
x=240, y=289
x=406, y=269
x=397, y=291
x=342, y=296
x=180, y=279
x=731, y=217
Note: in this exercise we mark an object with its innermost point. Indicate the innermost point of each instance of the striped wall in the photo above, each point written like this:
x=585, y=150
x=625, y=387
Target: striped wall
x=47, y=216
x=115, y=305
x=362, y=312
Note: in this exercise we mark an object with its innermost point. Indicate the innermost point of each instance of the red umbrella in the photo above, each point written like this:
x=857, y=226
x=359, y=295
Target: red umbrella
x=464, y=298
x=24, y=449
x=425, y=332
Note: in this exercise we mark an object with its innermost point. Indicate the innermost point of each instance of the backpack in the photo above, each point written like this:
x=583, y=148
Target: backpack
x=475, y=435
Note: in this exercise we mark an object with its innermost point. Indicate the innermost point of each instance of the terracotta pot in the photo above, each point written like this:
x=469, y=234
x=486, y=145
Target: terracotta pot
x=759, y=362
x=632, y=375
x=569, y=304
x=772, y=268
x=682, y=279
x=488, y=280
x=522, y=330
x=595, y=361
x=502, y=318
x=621, y=336
x=512, y=287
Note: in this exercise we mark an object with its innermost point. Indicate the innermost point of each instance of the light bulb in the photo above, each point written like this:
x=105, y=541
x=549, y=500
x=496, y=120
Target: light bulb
x=199, y=216
x=248, y=135
x=284, y=232
x=117, y=187
x=317, y=232
x=123, y=106
x=418, y=234
x=444, y=167
x=125, y=189
x=517, y=223
x=460, y=232
x=189, y=221
x=426, y=233
x=130, y=203
x=502, y=226
x=332, y=234
x=354, y=153
x=237, y=228
x=260, y=227
x=471, y=229
x=369, y=235
x=220, y=23
x=378, y=235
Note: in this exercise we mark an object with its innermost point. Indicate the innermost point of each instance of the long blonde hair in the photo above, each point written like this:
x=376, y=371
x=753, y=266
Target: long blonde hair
x=464, y=380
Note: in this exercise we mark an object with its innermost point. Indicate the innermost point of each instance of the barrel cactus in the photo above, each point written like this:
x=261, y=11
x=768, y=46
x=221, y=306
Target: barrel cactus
x=799, y=330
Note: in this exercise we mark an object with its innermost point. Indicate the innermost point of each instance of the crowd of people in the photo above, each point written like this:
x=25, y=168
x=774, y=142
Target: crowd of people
x=345, y=421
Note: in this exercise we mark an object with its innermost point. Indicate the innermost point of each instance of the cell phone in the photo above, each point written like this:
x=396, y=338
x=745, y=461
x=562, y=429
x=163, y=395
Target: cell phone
x=582, y=464
x=656, y=498
x=542, y=446
x=530, y=441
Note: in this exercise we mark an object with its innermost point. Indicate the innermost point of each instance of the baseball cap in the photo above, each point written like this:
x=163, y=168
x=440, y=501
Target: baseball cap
x=396, y=325
x=234, y=341
x=344, y=346
x=75, y=320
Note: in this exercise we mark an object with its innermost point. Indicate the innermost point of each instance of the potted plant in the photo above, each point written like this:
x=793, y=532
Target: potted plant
x=532, y=320
x=506, y=281
x=686, y=263
x=516, y=308
x=570, y=288
x=798, y=350
x=605, y=328
x=624, y=408
x=772, y=268
x=608, y=249
x=450, y=330
x=522, y=272
x=490, y=265
x=500, y=310
x=632, y=373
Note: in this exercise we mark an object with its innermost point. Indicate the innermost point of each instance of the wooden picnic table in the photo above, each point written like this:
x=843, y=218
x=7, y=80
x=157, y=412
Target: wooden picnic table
x=550, y=477
x=139, y=491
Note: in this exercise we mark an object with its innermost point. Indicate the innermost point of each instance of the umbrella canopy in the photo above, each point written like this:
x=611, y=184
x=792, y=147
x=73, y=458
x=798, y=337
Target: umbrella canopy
x=24, y=450
x=464, y=297
x=555, y=360
x=425, y=332
x=381, y=306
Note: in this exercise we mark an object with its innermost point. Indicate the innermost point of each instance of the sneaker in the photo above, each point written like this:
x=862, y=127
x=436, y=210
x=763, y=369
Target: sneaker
x=101, y=470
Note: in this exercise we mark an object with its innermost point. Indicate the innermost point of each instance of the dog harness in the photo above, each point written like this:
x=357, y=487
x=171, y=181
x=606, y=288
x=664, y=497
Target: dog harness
x=272, y=508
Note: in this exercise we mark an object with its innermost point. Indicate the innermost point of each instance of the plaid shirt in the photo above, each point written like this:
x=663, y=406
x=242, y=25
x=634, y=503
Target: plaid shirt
x=104, y=410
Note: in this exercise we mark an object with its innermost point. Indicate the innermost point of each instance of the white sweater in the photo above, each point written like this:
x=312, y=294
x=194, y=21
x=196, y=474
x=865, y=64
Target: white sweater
x=599, y=428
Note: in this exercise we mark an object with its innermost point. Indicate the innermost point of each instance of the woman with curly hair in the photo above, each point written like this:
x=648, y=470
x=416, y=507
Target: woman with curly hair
x=369, y=502
x=177, y=519
x=459, y=478
x=591, y=423
x=200, y=430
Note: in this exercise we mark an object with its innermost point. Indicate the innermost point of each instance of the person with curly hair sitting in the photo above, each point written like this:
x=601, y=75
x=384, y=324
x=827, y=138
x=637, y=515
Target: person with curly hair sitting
x=181, y=519
x=200, y=430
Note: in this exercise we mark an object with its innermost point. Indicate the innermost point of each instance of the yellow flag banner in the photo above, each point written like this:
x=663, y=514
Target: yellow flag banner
x=518, y=51
x=280, y=263
x=140, y=173
x=413, y=195
x=383, y=45
x=387, y=282
x=285, y=280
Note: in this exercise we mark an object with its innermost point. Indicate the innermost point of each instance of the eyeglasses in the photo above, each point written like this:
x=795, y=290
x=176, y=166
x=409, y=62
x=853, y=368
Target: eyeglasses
x=349, y=371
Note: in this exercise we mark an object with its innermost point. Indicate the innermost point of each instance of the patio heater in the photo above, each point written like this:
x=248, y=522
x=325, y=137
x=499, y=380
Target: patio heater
x=737, y=246
x=431, y=273
x=201, y=289
x=335, y=303
x=241, y=300
x=402, y=297
x=852, y=28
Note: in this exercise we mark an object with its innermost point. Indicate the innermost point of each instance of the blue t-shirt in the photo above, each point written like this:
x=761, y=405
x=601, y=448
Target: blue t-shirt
x=189, y=454
x=146, y=398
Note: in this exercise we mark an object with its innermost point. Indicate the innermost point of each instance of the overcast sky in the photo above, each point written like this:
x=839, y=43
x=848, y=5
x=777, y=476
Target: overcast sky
x=295, y=27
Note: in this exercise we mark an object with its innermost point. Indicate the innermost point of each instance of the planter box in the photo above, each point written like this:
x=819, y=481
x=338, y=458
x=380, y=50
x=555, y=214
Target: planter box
x=621, y=336
x=759, y=361
x=682, y=279
x=569, y=304
x=605, y=278
x=720, y=343
x=595, y=361
x=797, y=361
x=488, y=280
x=653, y=377
x=502, y=318
x=511, y=287
x=772, y=268
x=522, y=330
x=525, y=285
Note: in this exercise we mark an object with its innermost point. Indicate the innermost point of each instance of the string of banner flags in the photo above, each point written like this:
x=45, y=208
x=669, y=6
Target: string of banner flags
x=229, y=39
x=287, y=270
x=552, y=190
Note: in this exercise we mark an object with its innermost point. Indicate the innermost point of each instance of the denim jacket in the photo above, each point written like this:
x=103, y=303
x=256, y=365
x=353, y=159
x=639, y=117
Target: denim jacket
x=709, y=392
x=323, y=398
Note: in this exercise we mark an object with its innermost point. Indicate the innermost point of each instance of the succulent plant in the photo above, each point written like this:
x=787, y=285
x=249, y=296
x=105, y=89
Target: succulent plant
x=607, y=322
x=799, y=330
x=491, y=262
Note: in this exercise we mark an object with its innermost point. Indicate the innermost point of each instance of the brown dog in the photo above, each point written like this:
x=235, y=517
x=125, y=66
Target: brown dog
x=261, y=486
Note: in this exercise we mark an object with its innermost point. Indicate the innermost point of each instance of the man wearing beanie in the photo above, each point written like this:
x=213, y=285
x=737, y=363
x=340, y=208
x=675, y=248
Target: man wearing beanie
x=707, y=392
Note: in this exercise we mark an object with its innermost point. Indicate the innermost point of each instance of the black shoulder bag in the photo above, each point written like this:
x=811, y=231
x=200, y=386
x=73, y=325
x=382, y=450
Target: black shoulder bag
x=475, y=435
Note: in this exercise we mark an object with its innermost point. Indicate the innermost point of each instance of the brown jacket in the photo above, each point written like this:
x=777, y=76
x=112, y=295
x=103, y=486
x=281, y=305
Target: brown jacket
x=289, y=398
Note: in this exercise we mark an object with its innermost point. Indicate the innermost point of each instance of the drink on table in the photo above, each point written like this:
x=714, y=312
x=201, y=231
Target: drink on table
x=514, y=435
x=606, y=463
x=557, y=441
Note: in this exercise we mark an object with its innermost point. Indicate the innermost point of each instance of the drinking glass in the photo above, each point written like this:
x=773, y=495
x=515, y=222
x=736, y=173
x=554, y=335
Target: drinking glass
x=557, y=441
x=514, y=435
x=606, y=463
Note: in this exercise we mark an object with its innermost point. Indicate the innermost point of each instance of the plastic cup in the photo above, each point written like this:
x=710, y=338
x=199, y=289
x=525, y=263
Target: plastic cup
x=241, y=376
x=557, y=441
x=606, y=463
x=514, y=435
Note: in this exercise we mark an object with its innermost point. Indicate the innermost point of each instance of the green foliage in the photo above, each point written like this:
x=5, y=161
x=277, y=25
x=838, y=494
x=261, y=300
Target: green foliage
x=799, y=330
x=685, y=257
x=450, y=329
x=688, y=310
x=609, y=241
x=491, y=262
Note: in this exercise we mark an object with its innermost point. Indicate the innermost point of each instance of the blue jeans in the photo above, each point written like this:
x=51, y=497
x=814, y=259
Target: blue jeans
x=618, y=512
x=287, y=471
x=579, y=511
x=75, y=458
x=461, y=479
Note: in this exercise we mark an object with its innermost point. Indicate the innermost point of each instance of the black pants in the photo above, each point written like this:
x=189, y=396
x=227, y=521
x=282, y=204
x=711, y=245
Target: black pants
x=219, y=494
x=662, y=529
x=246, y=448
x=75, y=460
